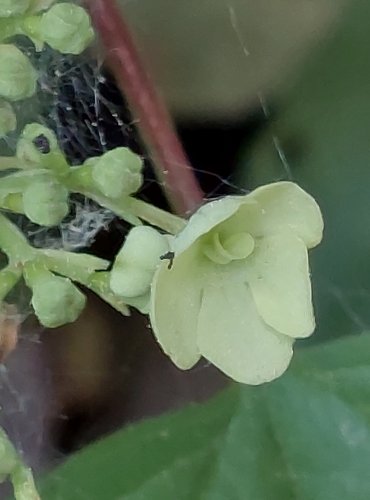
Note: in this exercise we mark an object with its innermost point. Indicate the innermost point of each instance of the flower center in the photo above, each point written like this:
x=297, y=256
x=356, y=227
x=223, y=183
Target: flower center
x=224, y=250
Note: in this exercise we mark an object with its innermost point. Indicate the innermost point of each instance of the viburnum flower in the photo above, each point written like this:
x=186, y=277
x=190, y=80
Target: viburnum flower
x=238, y=291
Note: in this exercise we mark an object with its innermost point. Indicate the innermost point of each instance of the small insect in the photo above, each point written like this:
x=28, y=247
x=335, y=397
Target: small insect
x=41, y=142
x=168, y=256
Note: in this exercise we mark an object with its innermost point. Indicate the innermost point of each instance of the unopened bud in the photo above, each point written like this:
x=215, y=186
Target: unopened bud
x=137, y=260
x=18, y=78
x=55, y=299
x=67, y=28
x=45, y=202
x=117, y=173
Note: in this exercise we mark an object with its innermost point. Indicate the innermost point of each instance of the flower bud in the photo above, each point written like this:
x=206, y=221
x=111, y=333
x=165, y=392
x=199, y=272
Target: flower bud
x=45, y=202
x=67, y=28
x=18, y=78
x=10, y=8
x=35, y=143
x=55, y=299
x=8, y=120
x=117, y=172
x=137, y=260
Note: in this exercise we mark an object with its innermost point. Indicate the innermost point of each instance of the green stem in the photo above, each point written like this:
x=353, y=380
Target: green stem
x=129, y=208
x=83, y=269
x=76, y=266
x=99, y=284
x=14, y=243
x=19, y=181
x=8, y=278
x=20, y=475
x=24, y=484
x=10, y=162
x=80, y=178
x=156, y=216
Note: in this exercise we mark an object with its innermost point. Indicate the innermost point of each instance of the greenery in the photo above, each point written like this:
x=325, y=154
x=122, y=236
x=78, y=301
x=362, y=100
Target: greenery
x=305, y=436
x=232, y=284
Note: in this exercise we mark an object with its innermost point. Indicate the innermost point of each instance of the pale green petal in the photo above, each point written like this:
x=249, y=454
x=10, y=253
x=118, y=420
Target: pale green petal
x=232, y=335
x=279, y=277
x=174, y=309
x=206, y=218
x=284, y=206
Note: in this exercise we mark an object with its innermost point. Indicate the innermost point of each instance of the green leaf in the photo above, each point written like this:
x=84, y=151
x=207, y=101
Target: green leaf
x=303, y=437
x=142, y=457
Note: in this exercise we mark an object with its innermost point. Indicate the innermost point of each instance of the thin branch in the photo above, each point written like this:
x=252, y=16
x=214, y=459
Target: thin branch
x=173, y=169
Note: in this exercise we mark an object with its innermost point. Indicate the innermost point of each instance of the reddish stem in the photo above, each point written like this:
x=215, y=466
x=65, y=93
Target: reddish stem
x=173, y=169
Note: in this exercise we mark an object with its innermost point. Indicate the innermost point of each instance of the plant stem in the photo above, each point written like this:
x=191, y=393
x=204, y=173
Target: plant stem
x=20, y=475
x=23, y=484
x=76, y=266
x=129, y=208
x=10, y=162
x=156, y=216
x=173, y=169
x=9, y=276
x=14, y=243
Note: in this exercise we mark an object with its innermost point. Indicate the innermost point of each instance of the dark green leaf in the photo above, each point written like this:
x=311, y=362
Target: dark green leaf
x=304, y=437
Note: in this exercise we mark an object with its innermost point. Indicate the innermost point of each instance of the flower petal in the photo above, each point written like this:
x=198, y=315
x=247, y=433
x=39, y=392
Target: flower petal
x=206, y=218
x=174, y=309
x=232, y=335
x=279, y=277
x=285, y=205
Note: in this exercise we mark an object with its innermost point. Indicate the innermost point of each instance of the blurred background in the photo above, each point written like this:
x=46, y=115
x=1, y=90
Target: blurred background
x=260, y=91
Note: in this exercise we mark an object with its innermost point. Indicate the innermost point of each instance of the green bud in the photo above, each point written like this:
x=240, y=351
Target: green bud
x=55, y=299
x=67, y=28
x=8, y=120
x=18, y=78
x=136, y=262
x=35, y=143
x=45, y=202
x=29, y=26
x=38, y=148
x=10, y=8
x=8, y=456
x=117, y=173
x=130, y=281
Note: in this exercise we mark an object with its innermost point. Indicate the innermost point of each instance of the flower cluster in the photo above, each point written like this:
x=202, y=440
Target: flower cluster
x=64, y=26
x=38, y=184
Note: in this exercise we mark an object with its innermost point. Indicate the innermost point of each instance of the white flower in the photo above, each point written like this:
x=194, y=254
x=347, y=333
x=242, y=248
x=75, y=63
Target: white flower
x=239, y=290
